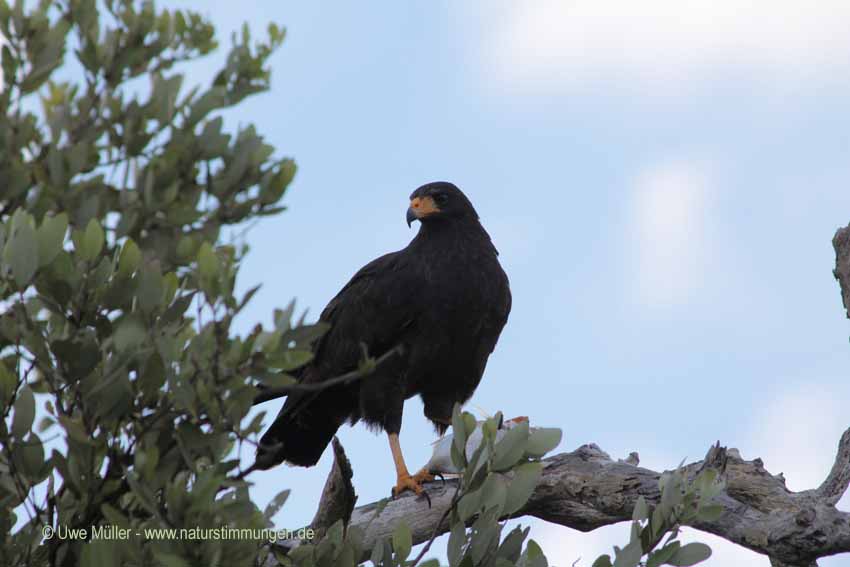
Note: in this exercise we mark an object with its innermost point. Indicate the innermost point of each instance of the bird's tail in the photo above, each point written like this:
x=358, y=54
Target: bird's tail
x=303, y=429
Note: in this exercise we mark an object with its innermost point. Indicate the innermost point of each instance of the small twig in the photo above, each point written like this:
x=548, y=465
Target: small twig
x=348, y=377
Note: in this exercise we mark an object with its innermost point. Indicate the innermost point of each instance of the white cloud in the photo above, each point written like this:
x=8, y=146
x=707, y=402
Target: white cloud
x=551, y=44
x=670, y=244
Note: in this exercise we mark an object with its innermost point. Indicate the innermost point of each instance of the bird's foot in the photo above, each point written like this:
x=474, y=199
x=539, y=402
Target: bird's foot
x=423, y=476
x=407, y=482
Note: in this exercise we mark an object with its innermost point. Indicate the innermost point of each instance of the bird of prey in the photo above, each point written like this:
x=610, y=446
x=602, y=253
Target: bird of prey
x=441, y=302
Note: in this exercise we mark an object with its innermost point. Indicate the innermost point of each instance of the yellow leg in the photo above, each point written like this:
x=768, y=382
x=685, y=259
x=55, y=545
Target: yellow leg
x=404, y=481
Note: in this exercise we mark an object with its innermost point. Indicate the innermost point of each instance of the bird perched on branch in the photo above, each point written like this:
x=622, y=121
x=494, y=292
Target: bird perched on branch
x=440, y=303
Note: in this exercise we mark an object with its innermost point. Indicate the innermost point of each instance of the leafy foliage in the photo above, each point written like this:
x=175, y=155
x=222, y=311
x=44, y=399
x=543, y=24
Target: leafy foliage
x=117, y=293
x=682, y=502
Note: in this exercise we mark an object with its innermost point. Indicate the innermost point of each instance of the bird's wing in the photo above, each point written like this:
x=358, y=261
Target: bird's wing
x=374, y=309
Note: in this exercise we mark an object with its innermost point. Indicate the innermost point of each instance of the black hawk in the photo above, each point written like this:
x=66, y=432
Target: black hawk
x=441, y=303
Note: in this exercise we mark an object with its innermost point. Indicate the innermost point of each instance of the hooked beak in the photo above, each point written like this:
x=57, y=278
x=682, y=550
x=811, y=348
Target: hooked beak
x=421, y=207
x=411, y=216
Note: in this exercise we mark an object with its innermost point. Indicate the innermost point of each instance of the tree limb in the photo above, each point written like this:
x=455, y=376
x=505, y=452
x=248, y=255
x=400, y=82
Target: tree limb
x=586, y=489
x=338, y=496
x=267, y=394
x=841, y=243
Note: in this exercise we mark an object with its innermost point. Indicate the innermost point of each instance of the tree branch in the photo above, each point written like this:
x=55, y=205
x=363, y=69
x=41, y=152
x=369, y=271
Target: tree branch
x=268, y=394
x=338, y=496
x=586, y=489
x=841, y=243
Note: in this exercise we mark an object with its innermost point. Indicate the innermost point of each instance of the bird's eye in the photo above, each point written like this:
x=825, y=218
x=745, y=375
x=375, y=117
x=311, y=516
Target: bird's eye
x=441, y=198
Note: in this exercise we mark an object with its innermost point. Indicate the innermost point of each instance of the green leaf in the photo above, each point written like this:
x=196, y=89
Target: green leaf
x=534, y=555
x=276, y=380
x=167, y=559
x=602, y=561
x=402, y=540
x=641, y=511
x=32, y=457
x=129, y=259
x=377, y=553
x=51, y=236
x=690, y=554
x=129, y=334
x=208, y=265
x=24, y=413
x=7, y=385
x=113, y=516
x=630, y=555
x=21, y=251
x=511, y=546
x=511, y=448
x=288, y=359
x=178, y=308
x=92, y=241
x=660, y=556
x=494, y=493
x=541, y=440
x=469, y=505
x=457, y=539
x=153, y=376
x=522, y=486
x=150, y=290
x=185, y=248
x=99, y=552
x=275, y=505
x=458, y=438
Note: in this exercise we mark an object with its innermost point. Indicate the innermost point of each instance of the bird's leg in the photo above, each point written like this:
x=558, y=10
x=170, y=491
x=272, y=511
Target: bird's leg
x=405, y=481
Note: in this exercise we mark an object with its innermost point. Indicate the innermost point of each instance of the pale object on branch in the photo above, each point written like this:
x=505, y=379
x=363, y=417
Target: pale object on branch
x=441, y=458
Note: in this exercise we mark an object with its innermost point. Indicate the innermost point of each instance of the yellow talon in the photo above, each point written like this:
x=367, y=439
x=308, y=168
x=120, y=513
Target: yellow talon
x=406, y=482
x=423, y=476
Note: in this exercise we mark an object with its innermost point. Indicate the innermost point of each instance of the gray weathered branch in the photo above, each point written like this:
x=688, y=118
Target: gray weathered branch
x=586, y=489
x=841, y=243
x=338, y=496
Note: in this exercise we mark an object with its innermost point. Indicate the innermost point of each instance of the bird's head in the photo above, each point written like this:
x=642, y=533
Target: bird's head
x=439, y=201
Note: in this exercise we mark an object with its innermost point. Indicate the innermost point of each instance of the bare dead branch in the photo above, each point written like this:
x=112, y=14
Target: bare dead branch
x=267, y=394
x=586, y=489
x=835, y=485
x=338, y=496
x=841, y=243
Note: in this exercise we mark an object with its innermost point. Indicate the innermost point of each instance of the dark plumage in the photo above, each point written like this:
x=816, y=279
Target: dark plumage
x=444, y=299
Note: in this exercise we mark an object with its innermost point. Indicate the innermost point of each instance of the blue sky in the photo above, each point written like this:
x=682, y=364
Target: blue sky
x=663, y=181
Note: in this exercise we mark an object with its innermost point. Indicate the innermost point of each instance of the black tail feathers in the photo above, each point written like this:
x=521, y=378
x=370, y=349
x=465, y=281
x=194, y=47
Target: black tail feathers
x=300, y=433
